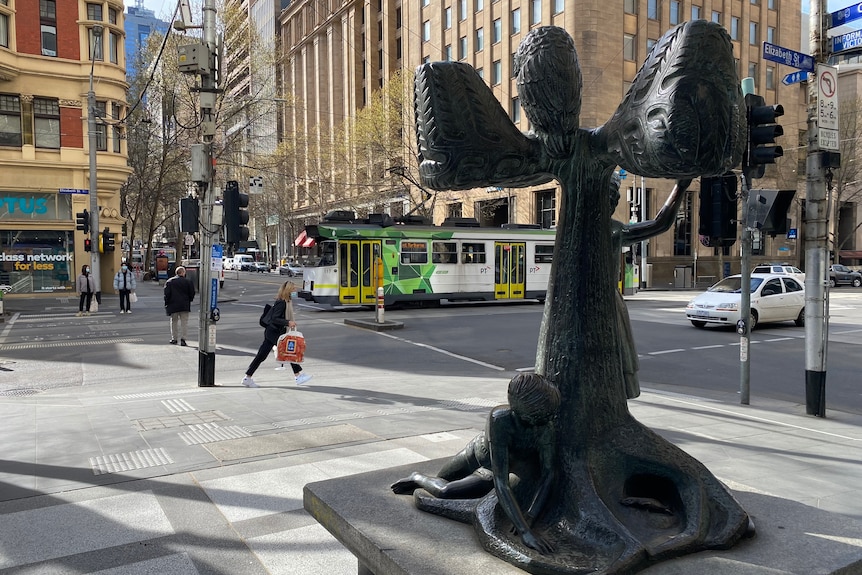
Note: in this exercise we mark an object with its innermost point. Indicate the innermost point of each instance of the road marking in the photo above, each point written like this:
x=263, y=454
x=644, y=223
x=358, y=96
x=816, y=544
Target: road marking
x=665, y=351
x=443, y=351
x=708, y=346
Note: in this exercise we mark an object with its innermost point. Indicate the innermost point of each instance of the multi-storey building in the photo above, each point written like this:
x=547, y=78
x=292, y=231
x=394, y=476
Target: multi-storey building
x=47, y=55
x=140, y=23
x=336, y=53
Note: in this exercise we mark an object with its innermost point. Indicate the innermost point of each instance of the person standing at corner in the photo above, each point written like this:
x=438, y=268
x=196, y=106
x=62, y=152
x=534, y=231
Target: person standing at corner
x=86, y=286
x=125, y=284
x=282, y=316
x=179, y=293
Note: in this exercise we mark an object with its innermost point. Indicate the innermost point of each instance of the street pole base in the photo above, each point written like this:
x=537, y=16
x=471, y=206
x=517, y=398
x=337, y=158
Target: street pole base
x=815, y=393
x=206, y=369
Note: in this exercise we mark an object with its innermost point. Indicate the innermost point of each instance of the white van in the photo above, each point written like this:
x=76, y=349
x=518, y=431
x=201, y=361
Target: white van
x=227, y=264
x=243, y=262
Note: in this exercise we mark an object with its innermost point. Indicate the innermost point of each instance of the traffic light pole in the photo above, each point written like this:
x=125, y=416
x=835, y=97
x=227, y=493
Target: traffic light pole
x=208, y=291
x=744, y=326
x=92, y=137
x=815, y=235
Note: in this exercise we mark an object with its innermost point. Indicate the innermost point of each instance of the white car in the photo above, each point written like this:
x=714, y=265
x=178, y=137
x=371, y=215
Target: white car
x=774, y=297
x=780, y=269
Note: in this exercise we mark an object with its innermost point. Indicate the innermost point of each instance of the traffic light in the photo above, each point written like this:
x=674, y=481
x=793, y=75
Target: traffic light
x=762, y=131
x=717, y=213
x=83, y=221
x=88, y=245
x=107, y=241
x=768, y=210
x=235, y=213
x=189, y=210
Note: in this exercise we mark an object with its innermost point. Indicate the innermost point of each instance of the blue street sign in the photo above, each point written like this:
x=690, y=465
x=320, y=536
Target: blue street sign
x=845, y=15
x=213, y=293
x=791, y=234
x=788, y=57
x=623, y=174
x=73, y=191
x=848, y=41
x=795, y=77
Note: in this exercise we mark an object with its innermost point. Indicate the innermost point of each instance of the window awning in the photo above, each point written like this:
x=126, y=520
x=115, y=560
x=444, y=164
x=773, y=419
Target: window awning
x=303, y=240
x=850, y=254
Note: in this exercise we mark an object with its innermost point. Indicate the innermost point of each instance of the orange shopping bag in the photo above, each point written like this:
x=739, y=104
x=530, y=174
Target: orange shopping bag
x=290, y=347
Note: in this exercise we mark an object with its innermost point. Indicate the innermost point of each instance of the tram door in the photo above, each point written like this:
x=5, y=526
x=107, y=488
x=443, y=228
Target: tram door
x=357, y=272
x=510, y=269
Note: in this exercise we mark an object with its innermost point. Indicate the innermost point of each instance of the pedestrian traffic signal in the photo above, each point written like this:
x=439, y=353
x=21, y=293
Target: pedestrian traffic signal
x=88, y=245
x=762, y=131
x=107, y=241
x=83, y=221
x=189, y=210
x=717, y=213
x=235, y=213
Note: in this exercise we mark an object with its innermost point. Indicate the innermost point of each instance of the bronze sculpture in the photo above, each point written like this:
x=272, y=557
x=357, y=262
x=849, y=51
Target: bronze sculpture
x=623, y=497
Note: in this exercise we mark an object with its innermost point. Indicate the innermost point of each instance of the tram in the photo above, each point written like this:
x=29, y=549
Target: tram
x=419, y=262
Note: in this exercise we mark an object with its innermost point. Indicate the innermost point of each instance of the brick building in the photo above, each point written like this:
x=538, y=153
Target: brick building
x=45, y=65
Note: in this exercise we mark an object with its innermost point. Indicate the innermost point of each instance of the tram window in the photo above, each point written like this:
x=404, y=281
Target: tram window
x=444, y=253
x=327, y=255
x=414, y=253
x=472, y=253
x=544, y=254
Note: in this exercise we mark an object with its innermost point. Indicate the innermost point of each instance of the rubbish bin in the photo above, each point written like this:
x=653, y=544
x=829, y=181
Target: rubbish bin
x=193, y=268
x=682, y=277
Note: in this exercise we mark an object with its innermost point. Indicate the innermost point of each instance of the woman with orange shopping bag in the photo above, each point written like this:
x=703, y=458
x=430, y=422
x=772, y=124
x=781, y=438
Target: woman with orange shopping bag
x=277, y=320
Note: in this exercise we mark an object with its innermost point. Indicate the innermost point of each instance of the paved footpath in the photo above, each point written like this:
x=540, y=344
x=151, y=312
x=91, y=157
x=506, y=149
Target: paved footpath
x=136, y=470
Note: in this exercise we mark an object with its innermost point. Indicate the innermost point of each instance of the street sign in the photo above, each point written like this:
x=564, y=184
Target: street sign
x=845, y=15
x=791, y=234
x=788, y=57
x=73, y=191
x=795, y=77
x=255, y=185
x=849, y=41
x=827, y=108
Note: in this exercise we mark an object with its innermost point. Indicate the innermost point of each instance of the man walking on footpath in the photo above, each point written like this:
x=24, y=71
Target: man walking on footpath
x=179, y=293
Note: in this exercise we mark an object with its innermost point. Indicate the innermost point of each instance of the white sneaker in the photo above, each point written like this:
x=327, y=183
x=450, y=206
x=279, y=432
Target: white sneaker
x=303, y=378
x=249, y=382
x=129, y=311
x=121, y=311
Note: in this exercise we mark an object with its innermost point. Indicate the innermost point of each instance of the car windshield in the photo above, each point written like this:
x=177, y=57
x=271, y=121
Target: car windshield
x=732, y=285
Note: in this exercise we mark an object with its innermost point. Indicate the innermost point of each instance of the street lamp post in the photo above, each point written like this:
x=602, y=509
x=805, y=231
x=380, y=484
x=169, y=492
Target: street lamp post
x=93, y=191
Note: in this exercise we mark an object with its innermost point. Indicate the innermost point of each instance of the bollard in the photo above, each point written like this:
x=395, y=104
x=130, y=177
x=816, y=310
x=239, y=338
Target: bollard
x=380, y=305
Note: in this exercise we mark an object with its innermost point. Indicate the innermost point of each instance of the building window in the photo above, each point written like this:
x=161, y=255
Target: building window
x=752, y=70
x=398, y=18
x=462, y=10
x=770, y=78
x=46, y=120
x=454, y=210
x=398, y=48
x=516, y=110
x=447, y=18
x=771, y=4
x=629, y=47
x=734, y=27
x=447, y=53
x=112, y=15
x=752, y=33
x=480, y=39
x=4, y=30
x=652, y=9
x=674, y=12
x=480, y=4
x=113, y=51
x=516, y=20
x=481, y=72
x=48, y=23
x=695, y=12
x=770, y=34
x=630, y=6
x=424, y=3
x=558, y=6
x=462, y=47
x=497, y=73
x=426, y=31
x=101, y=127
x=649, y=44
x=546, y=209
x=498, y=31
x=536, y=13
x=94, y=12
x=682, y=229
x=716, y=16
x=10, y=121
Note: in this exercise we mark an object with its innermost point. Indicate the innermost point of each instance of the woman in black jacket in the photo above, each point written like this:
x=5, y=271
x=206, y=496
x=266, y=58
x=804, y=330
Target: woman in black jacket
x=281, y=316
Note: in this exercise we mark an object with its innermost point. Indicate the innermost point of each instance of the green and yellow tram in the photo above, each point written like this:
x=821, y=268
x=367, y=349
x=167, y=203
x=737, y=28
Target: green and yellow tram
x=426, y=263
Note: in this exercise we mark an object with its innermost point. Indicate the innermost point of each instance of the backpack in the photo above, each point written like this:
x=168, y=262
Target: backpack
x=265, y=317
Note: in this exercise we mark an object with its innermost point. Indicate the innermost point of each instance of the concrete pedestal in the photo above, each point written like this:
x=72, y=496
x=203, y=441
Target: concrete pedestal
x=389, y=536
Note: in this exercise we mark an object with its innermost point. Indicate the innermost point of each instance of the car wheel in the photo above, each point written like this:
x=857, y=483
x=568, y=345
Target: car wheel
x=832, y=282
x=800, y=319
x=857, y=282
x=698, y=323
x=753, y=321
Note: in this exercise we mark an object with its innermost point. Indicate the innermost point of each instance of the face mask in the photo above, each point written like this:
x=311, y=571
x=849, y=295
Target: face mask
x=124, y=268
x=87, y=270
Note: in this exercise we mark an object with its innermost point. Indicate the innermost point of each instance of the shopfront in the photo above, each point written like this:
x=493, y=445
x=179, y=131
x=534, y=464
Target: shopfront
x=36, y=254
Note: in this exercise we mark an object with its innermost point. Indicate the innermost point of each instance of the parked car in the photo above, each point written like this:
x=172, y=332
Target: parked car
x=261, y=267
x=774, y=297
x=291, y=270
x=842, y=275
x=228, y=264
x=244, y=263
x=780, y=269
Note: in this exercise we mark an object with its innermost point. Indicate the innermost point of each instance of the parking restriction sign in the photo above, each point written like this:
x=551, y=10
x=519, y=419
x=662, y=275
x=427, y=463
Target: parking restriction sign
x=827, y=108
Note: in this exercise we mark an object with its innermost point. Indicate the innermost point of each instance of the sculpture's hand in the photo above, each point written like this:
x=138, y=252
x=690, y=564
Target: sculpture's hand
x=536, y=542
x=406, y=485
